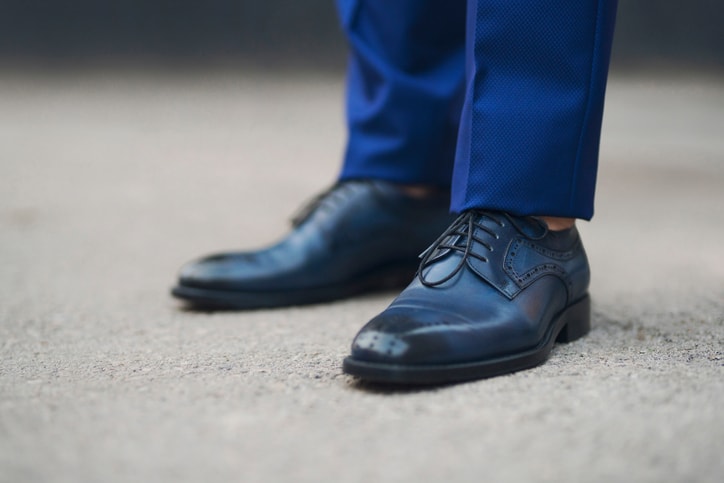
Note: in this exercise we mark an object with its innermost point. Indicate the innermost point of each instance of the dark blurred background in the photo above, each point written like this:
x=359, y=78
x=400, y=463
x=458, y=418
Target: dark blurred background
x=278, y=33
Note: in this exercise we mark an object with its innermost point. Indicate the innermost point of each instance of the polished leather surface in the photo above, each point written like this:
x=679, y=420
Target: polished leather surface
x=490, y=288
x=357, y=230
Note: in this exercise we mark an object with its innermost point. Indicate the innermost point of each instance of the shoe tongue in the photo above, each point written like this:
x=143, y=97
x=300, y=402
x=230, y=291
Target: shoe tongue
x=337, y=192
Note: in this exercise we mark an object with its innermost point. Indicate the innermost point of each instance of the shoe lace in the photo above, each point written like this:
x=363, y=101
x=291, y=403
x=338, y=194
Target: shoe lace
x=460, y=237
x=327, y=199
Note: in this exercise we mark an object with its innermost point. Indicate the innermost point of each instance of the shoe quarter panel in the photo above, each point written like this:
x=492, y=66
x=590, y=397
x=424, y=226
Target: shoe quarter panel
x=527, y=261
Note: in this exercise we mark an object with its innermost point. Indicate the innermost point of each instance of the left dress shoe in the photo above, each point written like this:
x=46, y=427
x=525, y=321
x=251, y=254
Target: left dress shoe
x=492, y=296
x=359, y=236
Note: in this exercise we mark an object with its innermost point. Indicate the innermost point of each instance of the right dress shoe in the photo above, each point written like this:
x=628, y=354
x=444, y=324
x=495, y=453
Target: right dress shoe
x=359, y=236
x=492, y=296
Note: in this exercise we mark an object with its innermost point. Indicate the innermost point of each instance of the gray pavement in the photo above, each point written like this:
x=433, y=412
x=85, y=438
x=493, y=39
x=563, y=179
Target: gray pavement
x=109, y=181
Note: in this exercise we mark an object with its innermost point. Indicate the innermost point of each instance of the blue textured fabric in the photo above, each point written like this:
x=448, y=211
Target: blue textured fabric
x=531, y=121
x=533, y=98
x=404, y=88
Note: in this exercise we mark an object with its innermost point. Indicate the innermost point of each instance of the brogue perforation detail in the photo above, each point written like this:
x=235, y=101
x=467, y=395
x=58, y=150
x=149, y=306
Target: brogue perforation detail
x=527, y=277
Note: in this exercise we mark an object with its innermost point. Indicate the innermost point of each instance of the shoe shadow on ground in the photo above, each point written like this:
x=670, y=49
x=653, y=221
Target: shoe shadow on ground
x=388, y=389
x=202, y=307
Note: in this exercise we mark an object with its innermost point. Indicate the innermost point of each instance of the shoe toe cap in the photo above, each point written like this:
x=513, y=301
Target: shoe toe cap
x=405, y=336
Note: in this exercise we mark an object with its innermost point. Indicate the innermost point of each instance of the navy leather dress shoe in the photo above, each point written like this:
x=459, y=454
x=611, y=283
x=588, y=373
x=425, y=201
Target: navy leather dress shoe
x=491, y=296
x=359, y=236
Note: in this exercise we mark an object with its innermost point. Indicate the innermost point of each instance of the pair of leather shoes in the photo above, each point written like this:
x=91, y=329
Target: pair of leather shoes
x=491, y=295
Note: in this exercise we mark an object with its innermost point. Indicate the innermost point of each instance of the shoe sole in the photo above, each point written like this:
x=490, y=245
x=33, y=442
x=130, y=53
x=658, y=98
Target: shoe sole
x=571, y=324
x=395, y=277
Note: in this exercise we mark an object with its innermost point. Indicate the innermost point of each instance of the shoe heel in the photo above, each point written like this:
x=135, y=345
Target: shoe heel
x=577, y=321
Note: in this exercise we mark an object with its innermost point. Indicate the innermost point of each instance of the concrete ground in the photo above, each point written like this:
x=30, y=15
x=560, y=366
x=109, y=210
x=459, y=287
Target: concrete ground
x=109, y=181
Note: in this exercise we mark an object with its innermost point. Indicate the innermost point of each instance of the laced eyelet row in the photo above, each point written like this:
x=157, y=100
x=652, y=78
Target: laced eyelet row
x=460, y=237
x=327, y=199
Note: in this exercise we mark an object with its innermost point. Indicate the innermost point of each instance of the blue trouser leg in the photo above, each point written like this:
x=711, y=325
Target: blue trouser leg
x=530, y=124
x=404, y=88
x=530, y=127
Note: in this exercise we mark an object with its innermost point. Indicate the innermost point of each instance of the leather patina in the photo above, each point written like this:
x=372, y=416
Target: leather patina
x=359, y=236
x=492, y=295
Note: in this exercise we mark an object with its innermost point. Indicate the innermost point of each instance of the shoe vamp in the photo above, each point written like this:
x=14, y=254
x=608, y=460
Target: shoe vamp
x=464, y=320
x=298, y=262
